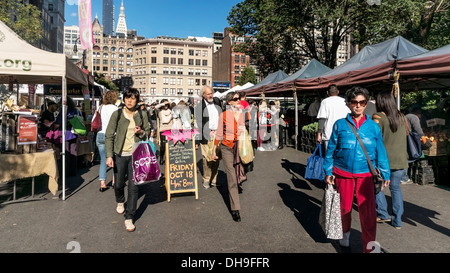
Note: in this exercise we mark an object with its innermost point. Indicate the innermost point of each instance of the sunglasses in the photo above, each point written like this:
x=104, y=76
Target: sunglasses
x=361, y=102
x=234, y=99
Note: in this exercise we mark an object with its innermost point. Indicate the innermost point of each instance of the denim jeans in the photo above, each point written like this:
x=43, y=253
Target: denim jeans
x=405, y=176
x=123, y=168
x=397, y=200
x=100, y=141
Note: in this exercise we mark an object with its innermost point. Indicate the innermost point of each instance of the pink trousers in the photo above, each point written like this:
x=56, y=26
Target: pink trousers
x=365, y=198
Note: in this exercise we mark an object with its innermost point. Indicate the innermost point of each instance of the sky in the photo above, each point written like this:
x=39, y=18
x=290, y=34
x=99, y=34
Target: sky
x=173, y=18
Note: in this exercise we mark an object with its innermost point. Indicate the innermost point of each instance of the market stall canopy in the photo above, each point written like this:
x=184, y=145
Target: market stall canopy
x=23, y=63
x=429, y=70
x=313, y=69
x=221, y=95
x=374, y=63
x=271, y=78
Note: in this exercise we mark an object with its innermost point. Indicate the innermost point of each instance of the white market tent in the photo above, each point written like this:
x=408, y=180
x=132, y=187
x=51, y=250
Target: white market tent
x=236, y=88
x=23, y=63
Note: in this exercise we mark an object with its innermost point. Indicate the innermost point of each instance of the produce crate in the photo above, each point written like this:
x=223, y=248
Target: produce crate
x=423, y=173
x=438, y=148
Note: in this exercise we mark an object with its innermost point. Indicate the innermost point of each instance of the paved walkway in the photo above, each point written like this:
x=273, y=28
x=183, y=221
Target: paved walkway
x=279, y=215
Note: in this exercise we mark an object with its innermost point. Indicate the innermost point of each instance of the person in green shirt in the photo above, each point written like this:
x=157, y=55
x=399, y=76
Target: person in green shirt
x=121, y=134
x=393, y=128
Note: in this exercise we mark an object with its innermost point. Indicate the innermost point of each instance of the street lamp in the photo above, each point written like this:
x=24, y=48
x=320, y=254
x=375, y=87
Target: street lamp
x=75, y=50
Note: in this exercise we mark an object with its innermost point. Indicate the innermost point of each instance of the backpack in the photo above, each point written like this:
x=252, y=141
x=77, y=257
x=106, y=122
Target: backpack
x=119, y=112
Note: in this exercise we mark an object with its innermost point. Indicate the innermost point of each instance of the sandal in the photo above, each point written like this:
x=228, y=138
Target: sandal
x=379, y=220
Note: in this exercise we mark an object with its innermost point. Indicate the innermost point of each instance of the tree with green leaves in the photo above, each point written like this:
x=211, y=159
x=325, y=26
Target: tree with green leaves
x=24, y=20
x=100, y=79
x=248, y=75
x=290, y=32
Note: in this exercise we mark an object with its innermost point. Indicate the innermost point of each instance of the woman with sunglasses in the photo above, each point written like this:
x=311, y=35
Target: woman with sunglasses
x=346, y=166
x=231, y=124
x=393, y=127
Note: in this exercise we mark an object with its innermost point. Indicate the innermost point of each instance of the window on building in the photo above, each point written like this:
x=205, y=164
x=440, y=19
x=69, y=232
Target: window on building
x=236, y=58
x=243, y=59
x=154, y=50
x=180, y=91
x=165, y=91
x=166, y=50
x=165, y=70
x=191, y=61
x=173, y=71
x=236, y=69
x=190, y=71
x=153, y=80
x=191, y=52
x=166, y=60
x=180, y=51
x=180, y=61
x=153, y=60
x=180, y=71
x=165, y=80
x=197, y=82
x=205, y=62
x=173, y=60
x=173, y=51
x=153, y=70
x=197, y=62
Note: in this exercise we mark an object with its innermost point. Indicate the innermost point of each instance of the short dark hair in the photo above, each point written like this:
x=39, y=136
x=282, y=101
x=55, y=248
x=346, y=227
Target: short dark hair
x=333, y=90
x=129, y=92
x=356, y=91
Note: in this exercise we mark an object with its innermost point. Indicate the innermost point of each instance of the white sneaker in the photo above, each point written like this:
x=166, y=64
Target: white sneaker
x=261, y=149
x=120, y=208
x=345, y=241
x=129, y=225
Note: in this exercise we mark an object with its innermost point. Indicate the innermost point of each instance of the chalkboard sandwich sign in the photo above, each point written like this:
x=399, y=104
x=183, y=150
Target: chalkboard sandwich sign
x=180, y=166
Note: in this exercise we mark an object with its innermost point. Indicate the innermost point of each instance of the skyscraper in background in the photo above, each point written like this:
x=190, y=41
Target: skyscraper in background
x=108, y=17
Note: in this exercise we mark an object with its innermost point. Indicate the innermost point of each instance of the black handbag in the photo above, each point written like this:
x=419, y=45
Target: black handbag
x=378, y=180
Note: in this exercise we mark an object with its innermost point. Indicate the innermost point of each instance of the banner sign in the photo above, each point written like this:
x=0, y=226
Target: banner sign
x=85, y=24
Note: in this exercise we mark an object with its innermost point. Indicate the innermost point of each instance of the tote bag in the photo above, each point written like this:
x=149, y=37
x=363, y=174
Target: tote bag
x=145, y=165
x=330, y=214
x=314, y=165
x=245, y=148
x=414, y=145
x=96, y=125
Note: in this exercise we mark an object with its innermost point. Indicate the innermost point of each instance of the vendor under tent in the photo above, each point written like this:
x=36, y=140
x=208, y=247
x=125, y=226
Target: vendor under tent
x=287, y=86
x=25, y=64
